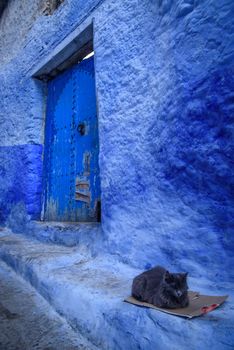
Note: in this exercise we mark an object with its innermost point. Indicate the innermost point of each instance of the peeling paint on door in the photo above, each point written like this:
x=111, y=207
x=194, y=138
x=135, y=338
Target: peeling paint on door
x=72, y=185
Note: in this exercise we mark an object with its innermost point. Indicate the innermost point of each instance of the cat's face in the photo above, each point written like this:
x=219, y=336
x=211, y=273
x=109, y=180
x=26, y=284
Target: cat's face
x=176, y=284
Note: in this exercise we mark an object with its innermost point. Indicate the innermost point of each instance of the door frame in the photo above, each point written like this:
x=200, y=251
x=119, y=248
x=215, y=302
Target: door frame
x=69, y=52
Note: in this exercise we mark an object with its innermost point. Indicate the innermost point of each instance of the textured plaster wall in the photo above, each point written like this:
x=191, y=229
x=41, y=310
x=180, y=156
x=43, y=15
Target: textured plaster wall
x=164, y=83
x=166, y=131
x=17, y=19
x=20, y=171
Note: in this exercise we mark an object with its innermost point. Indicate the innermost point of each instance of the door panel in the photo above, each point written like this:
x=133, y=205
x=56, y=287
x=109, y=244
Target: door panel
x=72, y=186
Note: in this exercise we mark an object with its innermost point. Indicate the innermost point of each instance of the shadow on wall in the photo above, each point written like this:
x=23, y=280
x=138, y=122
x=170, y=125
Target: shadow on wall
x=3, y=4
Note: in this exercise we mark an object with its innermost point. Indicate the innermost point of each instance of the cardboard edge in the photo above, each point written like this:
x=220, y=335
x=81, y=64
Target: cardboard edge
x=170, y=312
x=158, y=309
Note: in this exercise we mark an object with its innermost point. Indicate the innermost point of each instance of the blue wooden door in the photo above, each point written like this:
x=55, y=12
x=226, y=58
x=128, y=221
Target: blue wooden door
x=72, y=185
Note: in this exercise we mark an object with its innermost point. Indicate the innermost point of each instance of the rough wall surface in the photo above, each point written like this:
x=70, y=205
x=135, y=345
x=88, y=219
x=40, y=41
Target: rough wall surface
x=164, y=77
x=13, y=28
x=20, y=171
x=166, y=131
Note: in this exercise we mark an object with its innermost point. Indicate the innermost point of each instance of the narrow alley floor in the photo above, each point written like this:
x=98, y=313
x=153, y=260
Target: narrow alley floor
x=28, y=322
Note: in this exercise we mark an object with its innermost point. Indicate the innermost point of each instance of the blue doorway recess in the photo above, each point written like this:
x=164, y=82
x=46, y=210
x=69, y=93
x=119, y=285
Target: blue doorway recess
x=71, y=171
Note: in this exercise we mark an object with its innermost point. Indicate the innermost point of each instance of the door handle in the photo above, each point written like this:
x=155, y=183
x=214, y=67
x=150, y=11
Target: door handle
x=81, y=128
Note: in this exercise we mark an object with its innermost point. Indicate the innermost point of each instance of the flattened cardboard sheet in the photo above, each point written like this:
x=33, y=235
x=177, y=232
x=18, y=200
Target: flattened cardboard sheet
x=198, y=305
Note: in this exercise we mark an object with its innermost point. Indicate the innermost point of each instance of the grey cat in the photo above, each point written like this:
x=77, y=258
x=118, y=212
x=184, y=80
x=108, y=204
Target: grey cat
x=161, y=288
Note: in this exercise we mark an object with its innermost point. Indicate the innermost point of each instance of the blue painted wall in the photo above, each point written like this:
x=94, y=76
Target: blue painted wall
x=20, y=171
x=165, y=159
x=164, y=87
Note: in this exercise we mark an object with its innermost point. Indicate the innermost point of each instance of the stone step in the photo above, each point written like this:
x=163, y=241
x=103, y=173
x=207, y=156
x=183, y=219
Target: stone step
x=89, y=291
x=69, y=234
x=29, y=322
